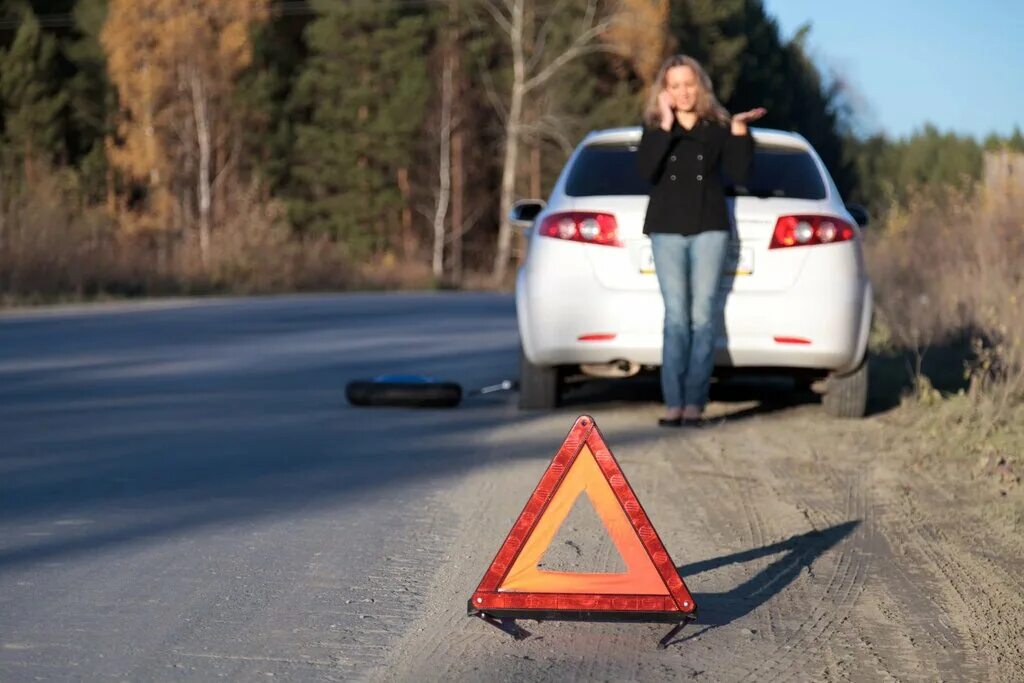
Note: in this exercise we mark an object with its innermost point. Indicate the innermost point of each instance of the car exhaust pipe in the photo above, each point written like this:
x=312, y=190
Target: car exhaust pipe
x=615, y=369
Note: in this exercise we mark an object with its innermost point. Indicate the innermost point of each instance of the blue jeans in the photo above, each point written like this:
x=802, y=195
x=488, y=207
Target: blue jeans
x=689, y=269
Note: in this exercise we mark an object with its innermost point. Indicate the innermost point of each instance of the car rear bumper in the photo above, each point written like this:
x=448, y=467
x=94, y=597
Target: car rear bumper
x=807, y=327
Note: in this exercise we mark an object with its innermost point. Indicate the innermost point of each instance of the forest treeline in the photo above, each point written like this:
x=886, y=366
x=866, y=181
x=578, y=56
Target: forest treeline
x=289, y=144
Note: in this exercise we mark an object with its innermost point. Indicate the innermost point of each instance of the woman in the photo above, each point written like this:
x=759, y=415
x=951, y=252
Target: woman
x=688, y=139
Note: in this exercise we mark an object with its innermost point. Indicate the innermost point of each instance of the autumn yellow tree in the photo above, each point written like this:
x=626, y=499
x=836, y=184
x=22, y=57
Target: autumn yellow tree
x=640, y=33
x=175, y=64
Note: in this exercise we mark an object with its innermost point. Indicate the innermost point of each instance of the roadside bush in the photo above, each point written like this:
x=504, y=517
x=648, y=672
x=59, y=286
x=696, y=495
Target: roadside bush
x=947, y=273
x=54, y=247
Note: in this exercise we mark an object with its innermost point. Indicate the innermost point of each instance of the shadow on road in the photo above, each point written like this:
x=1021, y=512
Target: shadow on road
x=121, y=429
x=719, y=609
x=737, y=398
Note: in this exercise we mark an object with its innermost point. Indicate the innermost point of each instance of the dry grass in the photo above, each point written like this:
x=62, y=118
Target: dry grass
x=53, y=248
x=949, y=286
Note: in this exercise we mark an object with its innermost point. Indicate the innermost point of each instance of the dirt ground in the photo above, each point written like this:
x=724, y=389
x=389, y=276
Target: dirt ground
x=816, y=549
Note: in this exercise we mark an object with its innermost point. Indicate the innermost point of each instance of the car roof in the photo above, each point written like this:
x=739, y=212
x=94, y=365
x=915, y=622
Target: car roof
x=631, y=134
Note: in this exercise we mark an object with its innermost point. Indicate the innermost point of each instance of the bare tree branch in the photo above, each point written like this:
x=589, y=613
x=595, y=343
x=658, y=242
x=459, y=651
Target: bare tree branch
x=548, y=127
x=229, y=163
x=468, y=224
x=581, y=46
x=524, y=82
x=540, y=45
x=499, y=18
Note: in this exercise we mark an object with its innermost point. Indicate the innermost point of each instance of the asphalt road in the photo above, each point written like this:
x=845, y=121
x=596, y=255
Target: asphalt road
x=184, y=490
x=185, y=495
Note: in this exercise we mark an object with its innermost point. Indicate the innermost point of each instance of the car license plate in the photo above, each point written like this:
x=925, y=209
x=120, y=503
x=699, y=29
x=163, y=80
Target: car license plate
x=743, y=262
x=741, y=259
x=646, y=260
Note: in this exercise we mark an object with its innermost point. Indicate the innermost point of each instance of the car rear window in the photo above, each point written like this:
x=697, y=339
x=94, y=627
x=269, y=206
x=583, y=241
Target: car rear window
x=778, y=172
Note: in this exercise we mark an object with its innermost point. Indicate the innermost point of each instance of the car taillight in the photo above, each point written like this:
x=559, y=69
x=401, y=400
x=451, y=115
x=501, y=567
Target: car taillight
x=582, y=226
x=801, y=231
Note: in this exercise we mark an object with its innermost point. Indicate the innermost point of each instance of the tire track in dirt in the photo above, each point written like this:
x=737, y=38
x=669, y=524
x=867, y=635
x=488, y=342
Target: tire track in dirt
x=927, y=649
x=849, y=583
x=932, y=563
x=977, y=594
x=845, y=578
x=744, y=489
x=832, y=605
x=731, y=494
x=975, y=527
x=869, y=541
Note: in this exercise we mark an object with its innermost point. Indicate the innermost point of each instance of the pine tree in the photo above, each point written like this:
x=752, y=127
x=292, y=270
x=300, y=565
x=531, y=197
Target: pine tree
x=263, y=95
x=363, y=93
x=31, y=101
x=92, y=101
x=711, y=32
x=993, y=142
x=1016, y=141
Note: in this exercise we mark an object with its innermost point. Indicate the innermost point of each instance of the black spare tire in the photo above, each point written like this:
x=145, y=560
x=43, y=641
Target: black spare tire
x=404, y=391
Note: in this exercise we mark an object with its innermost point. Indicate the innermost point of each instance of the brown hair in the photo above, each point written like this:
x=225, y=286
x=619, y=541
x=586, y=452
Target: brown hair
x=708, y=106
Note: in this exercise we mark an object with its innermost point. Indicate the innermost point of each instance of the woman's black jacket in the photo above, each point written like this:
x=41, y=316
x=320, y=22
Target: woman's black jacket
x=685, y=168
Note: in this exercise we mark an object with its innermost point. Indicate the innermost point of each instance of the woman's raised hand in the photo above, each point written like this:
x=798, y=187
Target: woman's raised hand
x=749, y=116
x=740, y=121
x=665, y=107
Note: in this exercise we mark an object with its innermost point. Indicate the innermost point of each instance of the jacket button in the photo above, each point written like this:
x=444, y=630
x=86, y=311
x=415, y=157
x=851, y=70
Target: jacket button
x=672, y=177
x=700, y=157
x=700, y=177
x=672, y=158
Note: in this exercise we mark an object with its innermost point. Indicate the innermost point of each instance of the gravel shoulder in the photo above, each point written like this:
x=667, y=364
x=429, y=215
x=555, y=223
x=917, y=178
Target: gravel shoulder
x=816, y=549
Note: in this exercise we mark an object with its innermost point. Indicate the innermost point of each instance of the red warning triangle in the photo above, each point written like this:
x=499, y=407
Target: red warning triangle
x=649, y=590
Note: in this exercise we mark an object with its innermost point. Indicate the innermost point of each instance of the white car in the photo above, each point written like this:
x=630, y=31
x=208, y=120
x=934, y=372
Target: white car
x=797, y=298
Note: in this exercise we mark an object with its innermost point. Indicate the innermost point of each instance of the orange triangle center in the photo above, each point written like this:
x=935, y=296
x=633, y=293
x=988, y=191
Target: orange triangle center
x=641, y=576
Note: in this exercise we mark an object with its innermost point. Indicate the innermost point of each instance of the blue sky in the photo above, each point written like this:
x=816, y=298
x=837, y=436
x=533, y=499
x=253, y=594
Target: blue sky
x=956, y=63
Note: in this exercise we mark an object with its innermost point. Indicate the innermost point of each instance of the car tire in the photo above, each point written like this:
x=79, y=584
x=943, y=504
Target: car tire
x=404, y=394
x=540, y=386
x=846, y=396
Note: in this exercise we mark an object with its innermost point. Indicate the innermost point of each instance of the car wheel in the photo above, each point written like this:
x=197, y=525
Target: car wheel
x=540, y=386
x=847, y=395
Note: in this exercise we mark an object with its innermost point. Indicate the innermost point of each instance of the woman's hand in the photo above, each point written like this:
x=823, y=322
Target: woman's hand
x=740, y=121
x=668, y=114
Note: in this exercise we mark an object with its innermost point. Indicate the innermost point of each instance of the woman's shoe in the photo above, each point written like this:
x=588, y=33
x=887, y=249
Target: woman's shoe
x=670, y=422
x=691, y=417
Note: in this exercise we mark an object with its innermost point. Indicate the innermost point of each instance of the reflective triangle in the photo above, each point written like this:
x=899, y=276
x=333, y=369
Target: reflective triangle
x=649, y=588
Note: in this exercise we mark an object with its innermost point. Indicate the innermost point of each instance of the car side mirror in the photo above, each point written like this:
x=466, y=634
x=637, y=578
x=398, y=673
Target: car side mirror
x=859, y=214
x=525, y=212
